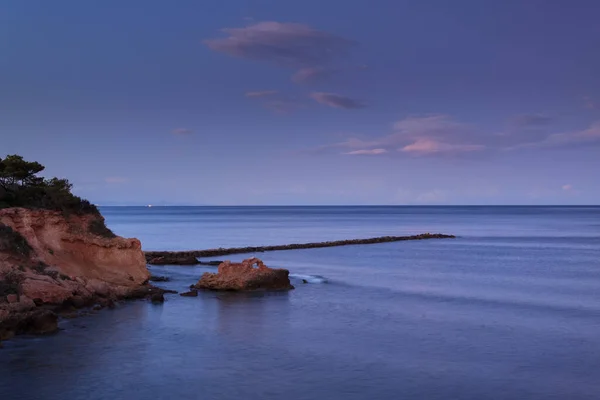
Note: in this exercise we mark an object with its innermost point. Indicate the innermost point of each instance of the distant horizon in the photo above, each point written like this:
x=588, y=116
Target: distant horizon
x=351, y=205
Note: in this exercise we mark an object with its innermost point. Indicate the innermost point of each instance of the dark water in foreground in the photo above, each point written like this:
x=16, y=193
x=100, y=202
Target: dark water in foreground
x=509, y=310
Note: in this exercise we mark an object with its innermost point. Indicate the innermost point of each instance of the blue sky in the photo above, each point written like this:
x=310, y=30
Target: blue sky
x=313, y=102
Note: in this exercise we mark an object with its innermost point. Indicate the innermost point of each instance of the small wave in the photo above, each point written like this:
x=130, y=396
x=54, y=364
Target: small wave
x=309, y=278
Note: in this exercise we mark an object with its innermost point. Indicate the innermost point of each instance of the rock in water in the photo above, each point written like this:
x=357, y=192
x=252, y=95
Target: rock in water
x=250, y=274
x=159, y=278
x=157, y=298
x=191, y=293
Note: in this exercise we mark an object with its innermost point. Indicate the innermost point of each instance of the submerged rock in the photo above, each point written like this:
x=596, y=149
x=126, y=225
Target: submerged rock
x=214, y=263
x=191, y=293
x=37, y=322
x=159, y=278
x=157, y=298
x=250, y=274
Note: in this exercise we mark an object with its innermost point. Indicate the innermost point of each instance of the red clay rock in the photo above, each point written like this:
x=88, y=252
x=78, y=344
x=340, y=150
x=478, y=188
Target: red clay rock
x=75, y=250
x=48, y=292
x=245, y=276
x=67, y=264
x=12, y=298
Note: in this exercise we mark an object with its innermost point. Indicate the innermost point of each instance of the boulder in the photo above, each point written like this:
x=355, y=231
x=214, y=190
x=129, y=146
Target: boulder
x=12, y=298
x=250, y=274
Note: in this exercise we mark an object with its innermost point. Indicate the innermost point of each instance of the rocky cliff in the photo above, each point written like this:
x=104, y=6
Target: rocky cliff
x=48, y=259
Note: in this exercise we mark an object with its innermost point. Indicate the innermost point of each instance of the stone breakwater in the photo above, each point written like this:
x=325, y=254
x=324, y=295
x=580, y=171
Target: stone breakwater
x=190, y=257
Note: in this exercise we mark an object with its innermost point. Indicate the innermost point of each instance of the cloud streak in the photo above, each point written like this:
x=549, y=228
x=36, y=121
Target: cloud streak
x=336, y=100
x=275, y=101
x=264, y=93
x=429, y=146
x=530, y=120
x=372, y=152
x=181, y=131
x=588, y=136
x=311, y=75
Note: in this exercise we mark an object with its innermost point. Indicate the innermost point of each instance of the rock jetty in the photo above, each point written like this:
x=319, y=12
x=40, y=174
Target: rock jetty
x=190, y=257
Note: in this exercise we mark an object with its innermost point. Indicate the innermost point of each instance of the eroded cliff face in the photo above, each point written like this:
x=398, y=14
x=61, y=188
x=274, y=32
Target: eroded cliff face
x=66, y=262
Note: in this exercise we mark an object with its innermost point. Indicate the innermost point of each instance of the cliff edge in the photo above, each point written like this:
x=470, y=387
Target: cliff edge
x=50, y=260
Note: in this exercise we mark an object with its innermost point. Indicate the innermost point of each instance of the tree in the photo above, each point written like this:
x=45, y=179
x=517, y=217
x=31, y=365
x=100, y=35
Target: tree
x=14, y=171
x=21, y=187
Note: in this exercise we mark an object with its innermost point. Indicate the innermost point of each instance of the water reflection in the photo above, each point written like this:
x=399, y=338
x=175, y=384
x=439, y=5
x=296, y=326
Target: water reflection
x=242, y=316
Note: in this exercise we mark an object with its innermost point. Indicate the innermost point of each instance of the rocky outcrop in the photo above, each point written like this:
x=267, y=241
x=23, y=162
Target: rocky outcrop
x=66, y=261
x=250, y=274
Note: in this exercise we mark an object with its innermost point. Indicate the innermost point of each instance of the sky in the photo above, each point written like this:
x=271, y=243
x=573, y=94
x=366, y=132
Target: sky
x=309, y=102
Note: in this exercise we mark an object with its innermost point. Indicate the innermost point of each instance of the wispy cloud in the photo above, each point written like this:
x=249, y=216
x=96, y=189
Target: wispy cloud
x=287, y=44
x=336, y=100
x=313, y=74
x=441, y=135
x=530, y=120
x=371, y=152
x=275, y=101
x=588, y=136
x=181, y=131
x=589, y=103
x=264, y=93
x=567, y=187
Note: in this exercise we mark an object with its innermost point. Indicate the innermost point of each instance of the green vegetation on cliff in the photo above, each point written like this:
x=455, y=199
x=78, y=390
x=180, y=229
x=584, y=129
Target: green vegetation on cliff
x=21, y=187
x=13, y=242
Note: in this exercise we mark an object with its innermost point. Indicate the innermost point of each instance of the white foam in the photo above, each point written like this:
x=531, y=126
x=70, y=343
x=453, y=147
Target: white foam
x=309, y=278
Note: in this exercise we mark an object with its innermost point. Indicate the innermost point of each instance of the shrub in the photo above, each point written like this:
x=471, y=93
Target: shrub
x=11, y=284
x=13, y=242
x=40, y=268
x=98, y=228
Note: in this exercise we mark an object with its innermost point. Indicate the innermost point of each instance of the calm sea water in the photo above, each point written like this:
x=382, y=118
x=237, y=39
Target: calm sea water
x=509, y=310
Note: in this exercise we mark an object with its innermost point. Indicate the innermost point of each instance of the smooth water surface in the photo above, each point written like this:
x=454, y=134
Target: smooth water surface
x=509, y=310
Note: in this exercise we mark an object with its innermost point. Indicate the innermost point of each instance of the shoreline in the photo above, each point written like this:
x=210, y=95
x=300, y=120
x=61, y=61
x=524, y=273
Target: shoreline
x=189, y=257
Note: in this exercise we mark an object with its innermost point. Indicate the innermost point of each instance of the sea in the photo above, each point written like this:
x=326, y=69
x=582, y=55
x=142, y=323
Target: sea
x=509, y=310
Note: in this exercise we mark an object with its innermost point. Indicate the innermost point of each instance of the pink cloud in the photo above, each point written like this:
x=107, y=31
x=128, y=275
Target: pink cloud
x=366, y=152
x=429, y=146
x=181, y=131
